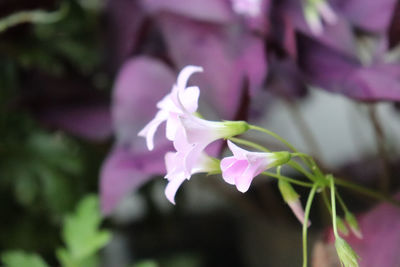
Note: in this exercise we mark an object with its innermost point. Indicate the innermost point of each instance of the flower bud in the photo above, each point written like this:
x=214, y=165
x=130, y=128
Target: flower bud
x=352, y=222
x=292, y=199
x=342, y=226
x=347, y=256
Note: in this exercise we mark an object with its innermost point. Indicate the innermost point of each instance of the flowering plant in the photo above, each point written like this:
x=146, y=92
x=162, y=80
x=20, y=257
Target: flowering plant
x=191, y=135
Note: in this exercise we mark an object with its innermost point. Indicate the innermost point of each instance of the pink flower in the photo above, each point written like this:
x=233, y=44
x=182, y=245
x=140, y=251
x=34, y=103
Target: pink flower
x=243, y=166
x=181, y=101
x=198, y=133
x=176, y=175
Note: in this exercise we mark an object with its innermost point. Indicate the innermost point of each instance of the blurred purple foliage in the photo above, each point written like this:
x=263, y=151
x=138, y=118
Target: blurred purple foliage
x=242, y=55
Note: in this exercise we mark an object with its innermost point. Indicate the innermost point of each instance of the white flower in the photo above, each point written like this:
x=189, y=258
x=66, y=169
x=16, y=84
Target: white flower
x=181, y=101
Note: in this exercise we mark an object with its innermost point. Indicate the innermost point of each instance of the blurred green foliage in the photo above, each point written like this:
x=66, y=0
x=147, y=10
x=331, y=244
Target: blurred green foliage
x=22, y=259
x=81, y=236
x=44, y=173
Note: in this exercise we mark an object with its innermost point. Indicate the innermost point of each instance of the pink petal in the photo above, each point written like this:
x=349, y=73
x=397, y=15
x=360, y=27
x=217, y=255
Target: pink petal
x=190, y=98
x=185, y=74
x=151, y=128
x=298, y=211
x=243, y=181
x=227, y=163
x=234, y=172
x=173, y=186
x=238, y=152
x=173, y=125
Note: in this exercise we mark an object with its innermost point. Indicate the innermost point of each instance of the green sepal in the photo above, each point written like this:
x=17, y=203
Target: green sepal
x=280, y=158
x=236, y=127
x=347, y=256
x=342, y=226
x=287, y=191
x=352, y=222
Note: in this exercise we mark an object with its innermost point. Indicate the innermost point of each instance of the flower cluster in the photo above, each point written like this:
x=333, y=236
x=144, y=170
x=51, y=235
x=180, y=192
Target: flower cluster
x=191, y=135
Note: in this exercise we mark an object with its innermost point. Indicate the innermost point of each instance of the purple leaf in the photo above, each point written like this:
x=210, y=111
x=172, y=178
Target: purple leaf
x=338, y=35
x=215, y=11
x=124, y=21
x=124, y=171
x=141, y=83
x=229, y=55
x=370, y=15
x=339, y=73
x=380, y=244
x=92, y=122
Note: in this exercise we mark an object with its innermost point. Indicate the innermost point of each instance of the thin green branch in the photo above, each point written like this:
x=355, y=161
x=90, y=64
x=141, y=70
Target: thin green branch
x=341, y=202
x=287, y=179
x=305, y=226
x=366, y=191
x=333, y=203
x=33, y=16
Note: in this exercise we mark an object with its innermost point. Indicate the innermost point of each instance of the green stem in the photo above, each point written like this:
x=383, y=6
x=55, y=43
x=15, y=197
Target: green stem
x=33, y=16
x=333, y=203
x=284, y=141
x=341, y=202
x=287, y=179
x=300, y=169
x=366, y=191
x=326, y=201
x=276, y=136
x=305, y=226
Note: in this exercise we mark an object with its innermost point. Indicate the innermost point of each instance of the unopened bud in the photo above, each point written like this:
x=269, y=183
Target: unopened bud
x=347, y=256
x=292, y=199
x=342, y=226
x=352, y=222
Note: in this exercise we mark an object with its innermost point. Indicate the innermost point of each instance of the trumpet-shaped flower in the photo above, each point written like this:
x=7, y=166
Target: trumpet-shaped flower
x=198, y=133
x=243, y=166
x=176, y=175
x=181, y=101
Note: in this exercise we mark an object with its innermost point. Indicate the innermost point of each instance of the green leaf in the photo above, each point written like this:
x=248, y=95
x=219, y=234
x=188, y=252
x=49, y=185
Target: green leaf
x=146, y=263
x=81, y=234
x=22, y=259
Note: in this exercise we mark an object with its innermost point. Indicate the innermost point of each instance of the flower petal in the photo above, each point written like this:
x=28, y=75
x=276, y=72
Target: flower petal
x=150, y=129
x=189, y=98
x=243, y=181
x=239, y=153
x=234, y=170
x=173, y=186
x=185, y=74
